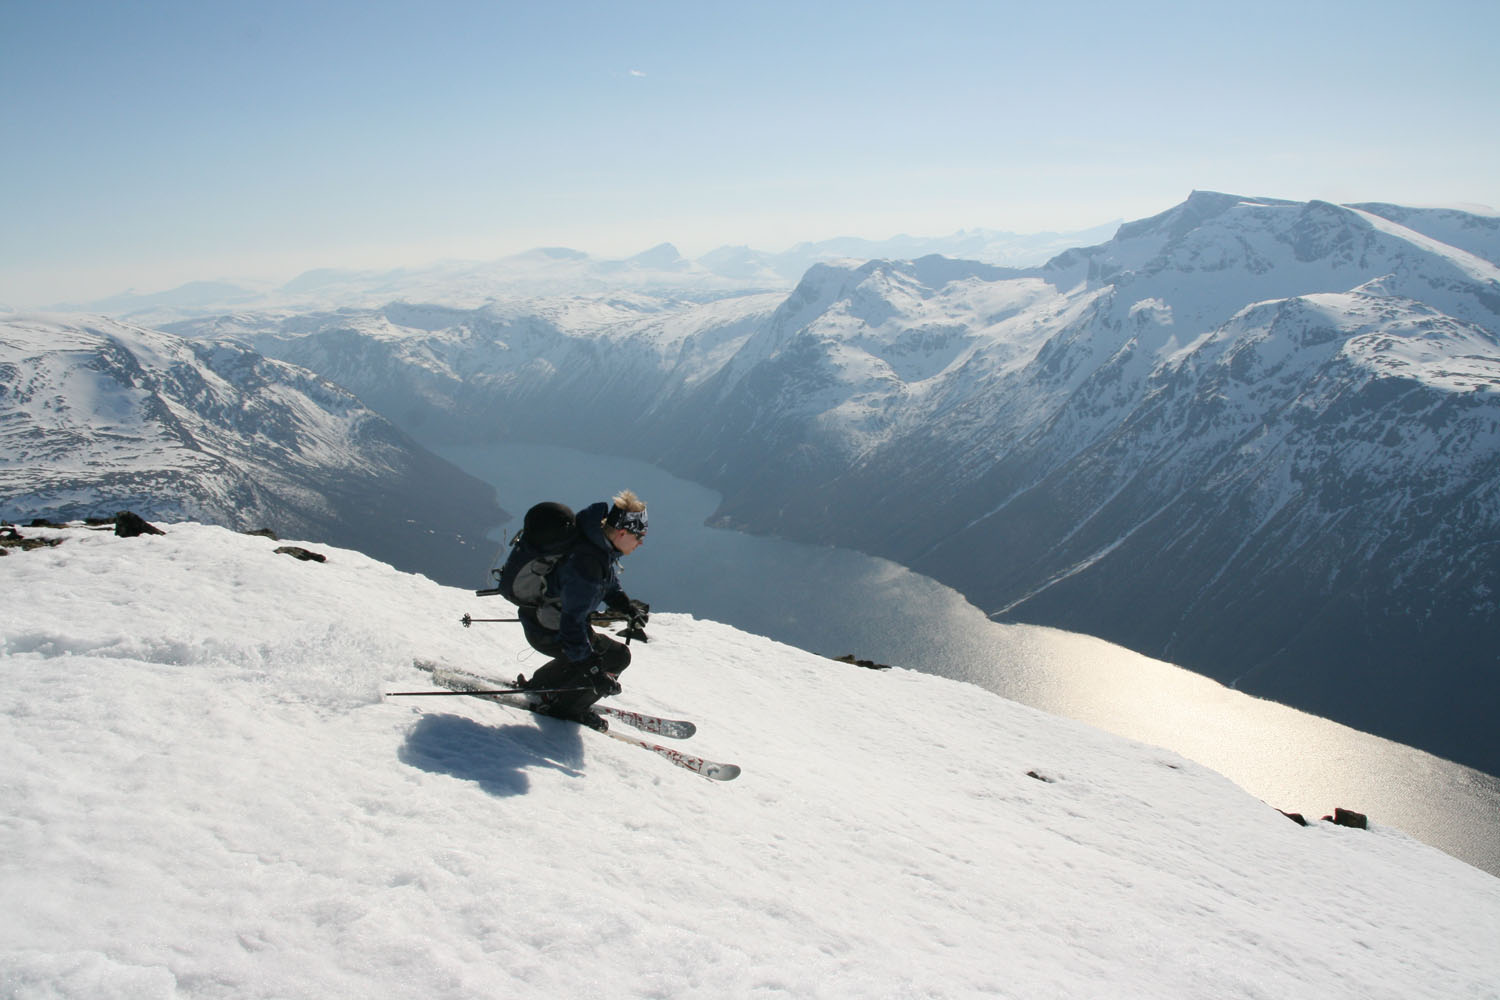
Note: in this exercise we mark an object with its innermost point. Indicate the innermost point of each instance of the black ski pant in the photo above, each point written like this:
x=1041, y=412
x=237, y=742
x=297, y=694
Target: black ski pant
x=561, y=672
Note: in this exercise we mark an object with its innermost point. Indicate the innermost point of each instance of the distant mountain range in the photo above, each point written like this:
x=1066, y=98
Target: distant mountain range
x=548, y=271
x=1255, y=437
x=99, y=416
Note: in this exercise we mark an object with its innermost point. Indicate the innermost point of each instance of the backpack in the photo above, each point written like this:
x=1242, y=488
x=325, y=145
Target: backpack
x=548, y=534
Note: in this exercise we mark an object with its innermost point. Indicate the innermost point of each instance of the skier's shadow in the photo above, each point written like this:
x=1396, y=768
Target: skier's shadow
x=493, y=757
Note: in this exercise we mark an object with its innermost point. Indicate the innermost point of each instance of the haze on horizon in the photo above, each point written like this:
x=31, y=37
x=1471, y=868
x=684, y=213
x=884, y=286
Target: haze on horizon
x=167, y=141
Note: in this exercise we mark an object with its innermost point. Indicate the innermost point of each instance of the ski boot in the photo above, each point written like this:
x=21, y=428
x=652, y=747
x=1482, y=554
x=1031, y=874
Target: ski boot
x=592, y=719
x=550, y=704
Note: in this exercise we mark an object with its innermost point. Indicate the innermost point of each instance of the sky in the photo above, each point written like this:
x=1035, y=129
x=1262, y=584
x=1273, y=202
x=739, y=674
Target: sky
x=214, y=791
x=152, y=142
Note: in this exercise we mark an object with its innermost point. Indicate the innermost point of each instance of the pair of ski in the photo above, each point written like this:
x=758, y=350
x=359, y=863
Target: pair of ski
x=678, y=729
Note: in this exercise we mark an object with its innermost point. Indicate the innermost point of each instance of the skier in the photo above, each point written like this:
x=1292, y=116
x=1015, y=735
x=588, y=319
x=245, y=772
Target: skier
x=585, y=577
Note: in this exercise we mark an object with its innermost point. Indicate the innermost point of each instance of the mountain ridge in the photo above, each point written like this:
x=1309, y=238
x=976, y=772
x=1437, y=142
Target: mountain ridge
x=103, y=413
x=660, y=270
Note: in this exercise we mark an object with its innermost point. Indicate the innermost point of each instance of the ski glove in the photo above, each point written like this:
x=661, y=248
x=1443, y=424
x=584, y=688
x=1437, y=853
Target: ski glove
x=640, y=614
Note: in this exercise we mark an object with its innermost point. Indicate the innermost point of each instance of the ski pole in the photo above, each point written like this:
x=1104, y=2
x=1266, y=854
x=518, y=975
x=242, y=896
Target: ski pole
x=426, y=694
x=468, y=620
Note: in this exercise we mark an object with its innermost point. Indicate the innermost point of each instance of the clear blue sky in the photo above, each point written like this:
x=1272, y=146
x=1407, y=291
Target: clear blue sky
x=152, y=142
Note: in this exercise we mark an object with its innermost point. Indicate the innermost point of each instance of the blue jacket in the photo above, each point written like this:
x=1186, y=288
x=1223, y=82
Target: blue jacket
x=588, y=576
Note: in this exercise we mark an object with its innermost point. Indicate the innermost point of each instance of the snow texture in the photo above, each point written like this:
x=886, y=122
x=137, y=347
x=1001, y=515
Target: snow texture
x=208, y=795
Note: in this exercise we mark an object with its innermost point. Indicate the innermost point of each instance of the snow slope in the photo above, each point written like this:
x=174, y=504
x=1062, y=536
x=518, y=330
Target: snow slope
x=208, y=796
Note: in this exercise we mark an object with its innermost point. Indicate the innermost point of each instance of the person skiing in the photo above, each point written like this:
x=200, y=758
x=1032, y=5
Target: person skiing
x=585, y=577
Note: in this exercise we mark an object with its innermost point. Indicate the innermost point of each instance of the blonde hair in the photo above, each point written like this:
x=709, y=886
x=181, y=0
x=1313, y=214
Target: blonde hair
x=627, y=501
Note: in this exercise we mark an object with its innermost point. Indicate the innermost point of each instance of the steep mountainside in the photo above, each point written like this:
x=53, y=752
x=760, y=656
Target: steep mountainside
x=1256, y=437
x=1259, y=440
x=99, y=416
x=586, y=369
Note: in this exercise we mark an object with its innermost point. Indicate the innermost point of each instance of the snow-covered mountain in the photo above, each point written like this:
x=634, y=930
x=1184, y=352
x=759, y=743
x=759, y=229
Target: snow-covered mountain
x=988, y=246
x=560, y=271
x=1255, y=437
x=98, y=416
x=233, y=809
x=1258, y=439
